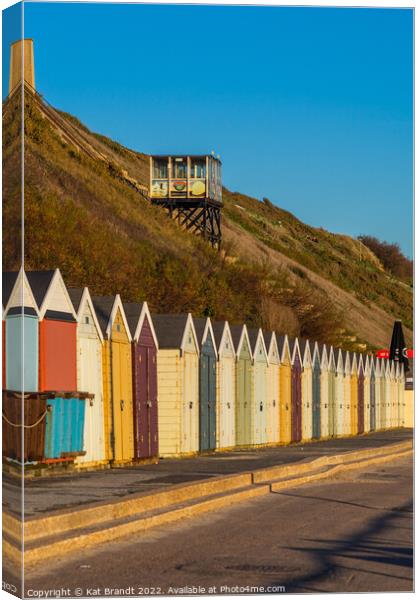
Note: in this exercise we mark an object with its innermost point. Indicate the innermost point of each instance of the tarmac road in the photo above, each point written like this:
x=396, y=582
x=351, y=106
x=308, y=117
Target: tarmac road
x=352, y=533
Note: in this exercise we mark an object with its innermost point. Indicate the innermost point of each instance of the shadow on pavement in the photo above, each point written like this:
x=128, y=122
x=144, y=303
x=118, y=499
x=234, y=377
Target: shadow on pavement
x=367, y=545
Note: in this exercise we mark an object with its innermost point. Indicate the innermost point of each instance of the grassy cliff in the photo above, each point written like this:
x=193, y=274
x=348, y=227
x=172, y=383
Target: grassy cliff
x=273, y=270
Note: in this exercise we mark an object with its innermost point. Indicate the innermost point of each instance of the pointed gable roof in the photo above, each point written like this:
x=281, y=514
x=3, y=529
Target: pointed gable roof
x=315, y=353
x=367, y=363
x=240, y=336
x=40, y=282
x=136, y=313
x=270, y=341
x=331, y=358
x=283, y=346
x=132, y=314
x=203, y=327
x=19, y=296
x=80, y=297
x=255, y=338
x=294, y=344
x=103, y=307
x=221, y=330
x=347, y=362
x=170, y=330
x=76, y=297
x=200, y=327
x=51, y=294
x=338, y=359
x=305, y=352
x=354, y=363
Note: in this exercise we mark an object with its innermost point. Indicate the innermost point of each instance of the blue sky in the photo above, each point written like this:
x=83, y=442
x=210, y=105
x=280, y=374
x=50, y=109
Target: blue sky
x=310, y=107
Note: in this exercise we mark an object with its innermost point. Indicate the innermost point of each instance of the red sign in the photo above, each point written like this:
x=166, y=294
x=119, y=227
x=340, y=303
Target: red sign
x=407, y=353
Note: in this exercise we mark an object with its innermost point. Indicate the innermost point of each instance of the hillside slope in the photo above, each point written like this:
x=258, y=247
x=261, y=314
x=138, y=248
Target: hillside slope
x=86, y=213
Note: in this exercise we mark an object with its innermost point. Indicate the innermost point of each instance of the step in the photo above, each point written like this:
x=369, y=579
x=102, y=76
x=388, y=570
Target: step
x=64, y=543
x=69, y=520
x=281, y=471
x=328, y=471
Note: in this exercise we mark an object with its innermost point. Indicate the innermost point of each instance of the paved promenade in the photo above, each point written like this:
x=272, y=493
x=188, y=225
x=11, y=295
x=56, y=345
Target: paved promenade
x=43, y=495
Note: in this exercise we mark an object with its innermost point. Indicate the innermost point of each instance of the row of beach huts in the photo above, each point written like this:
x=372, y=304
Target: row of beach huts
x=104, y=382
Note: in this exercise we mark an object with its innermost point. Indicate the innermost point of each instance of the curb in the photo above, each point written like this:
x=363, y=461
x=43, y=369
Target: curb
x=88, y=540
x=340, y=468
x=270, y=473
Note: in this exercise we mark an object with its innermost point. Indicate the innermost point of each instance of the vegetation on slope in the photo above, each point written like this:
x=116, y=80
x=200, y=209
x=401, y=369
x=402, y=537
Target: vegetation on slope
x=391, y=257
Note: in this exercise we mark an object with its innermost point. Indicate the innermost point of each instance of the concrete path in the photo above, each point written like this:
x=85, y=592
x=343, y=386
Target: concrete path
x=43, y=495
x=353, y=533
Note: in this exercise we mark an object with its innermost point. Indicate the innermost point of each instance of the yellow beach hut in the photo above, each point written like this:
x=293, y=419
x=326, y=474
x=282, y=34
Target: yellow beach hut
x=307, y=416
x=366, y=362
x=117, y=379
x=178, y=384
x=285, y=408
x=347, y=393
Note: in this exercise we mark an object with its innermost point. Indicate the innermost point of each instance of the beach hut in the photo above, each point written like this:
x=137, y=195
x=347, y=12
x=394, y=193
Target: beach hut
x=207, y=383
x=347, y=392
x=226, y=384
x=178, y=384
x=366, y=391
x=20, y=334
x=360, y=394
x=394, y=395
x=339, y=398
x=378, y=393
x=372, y=394
x=259, y=386
x=243, y=409
x=117, y=379
x=354, y=401
x=90, y=377
x=296, y=392
x=273, y=388
x=408, y=409
x=57, y=331
x=398, y=392
x=402, y=418
x=145, y=390
x=332, y=377
x=324, y=388
x=383, y=394
x=285, y=408
x=316, y=390
x=306, y=378
x=387, y=379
